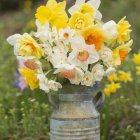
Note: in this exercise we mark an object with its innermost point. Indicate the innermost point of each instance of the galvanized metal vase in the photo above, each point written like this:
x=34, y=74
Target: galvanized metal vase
x=76, y=117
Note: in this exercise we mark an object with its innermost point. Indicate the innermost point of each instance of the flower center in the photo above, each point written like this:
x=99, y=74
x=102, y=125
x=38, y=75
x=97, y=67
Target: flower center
x=87, y=78
x=83, y=55
x=31, y=64
x=123, y=55
x=93, y=39
x=66, y=35
x=69, y=74
x=31, y=45
x=79, y=23
x=27, y=48
x=90, y=39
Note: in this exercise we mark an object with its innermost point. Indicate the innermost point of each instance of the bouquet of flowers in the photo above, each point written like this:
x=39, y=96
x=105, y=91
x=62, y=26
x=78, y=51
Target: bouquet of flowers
x=73, y=46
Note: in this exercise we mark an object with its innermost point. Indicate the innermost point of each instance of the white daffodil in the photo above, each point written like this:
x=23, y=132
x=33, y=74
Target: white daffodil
x=110, y=29
x=87, y=79
x=109, y=71
x=66, y=34
x=58, y=55
x=43, y=32
x=82, y=54
x=70, y=72
x=54, y=35
x=47, y=48
x=98, y=72
x=106, y=55
x=94, y=3
x=43, y=82
x=53, y=85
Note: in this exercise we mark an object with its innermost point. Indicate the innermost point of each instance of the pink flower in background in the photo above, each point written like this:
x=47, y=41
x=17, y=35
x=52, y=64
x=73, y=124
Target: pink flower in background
x=20, y=82
x=21, y=64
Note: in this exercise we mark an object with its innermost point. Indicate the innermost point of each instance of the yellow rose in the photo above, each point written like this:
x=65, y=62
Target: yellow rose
x=29, y=47
x=80, y=21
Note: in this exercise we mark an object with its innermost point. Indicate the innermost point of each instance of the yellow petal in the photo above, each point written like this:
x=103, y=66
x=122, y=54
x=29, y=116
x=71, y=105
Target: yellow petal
x=30, y=77
x=62, y=5
x=51, y=3
x=43, y=14
x=80, y=21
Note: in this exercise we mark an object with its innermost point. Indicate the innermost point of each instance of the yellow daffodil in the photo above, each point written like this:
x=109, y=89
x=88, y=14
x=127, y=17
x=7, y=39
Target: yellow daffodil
x=138, y=70
x=54, y=13
x=30, y=77
x=136, y=58
x=111, y=88
x=94, y=36
x=88, y=10
x=29, y=47
x=80, y=21
x=124, y=76
x=123, y=31
x=112, y=77
x=121, y=52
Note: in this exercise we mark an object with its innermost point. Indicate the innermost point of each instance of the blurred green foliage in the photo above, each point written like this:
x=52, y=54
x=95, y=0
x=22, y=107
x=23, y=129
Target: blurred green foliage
x=8, y=5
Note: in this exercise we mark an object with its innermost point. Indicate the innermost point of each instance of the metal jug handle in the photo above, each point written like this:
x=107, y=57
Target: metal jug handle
x=99, y=99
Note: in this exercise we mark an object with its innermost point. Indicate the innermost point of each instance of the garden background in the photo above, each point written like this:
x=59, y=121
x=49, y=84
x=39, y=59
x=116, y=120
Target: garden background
x=25, y=115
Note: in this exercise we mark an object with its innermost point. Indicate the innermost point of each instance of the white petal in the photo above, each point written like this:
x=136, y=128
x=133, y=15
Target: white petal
x=95, y=3
x=80, y=72
x=98, y=72
x=110, y=29
x=12, y=39
x=77, y=5
x=65, y=66
x=79, y=2
x=77, y=42
x=22, y=58
x=110, y=70
x=98, y=15
x=37, y=23
x=94, y=57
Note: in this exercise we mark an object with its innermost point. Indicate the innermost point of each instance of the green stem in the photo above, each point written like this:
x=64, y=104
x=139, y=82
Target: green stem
x=48, y=72
x=107, y=119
